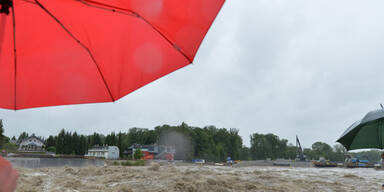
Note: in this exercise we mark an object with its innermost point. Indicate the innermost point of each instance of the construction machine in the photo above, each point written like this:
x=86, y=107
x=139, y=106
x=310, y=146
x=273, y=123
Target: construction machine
x=299, y=151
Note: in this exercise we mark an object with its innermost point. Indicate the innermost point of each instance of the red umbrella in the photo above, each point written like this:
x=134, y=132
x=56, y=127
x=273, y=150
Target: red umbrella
x=59, y=52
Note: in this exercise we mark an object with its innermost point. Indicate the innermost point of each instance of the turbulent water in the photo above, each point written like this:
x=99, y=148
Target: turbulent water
x=199, y=178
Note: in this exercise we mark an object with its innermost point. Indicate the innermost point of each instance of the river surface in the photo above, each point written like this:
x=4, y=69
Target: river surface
x=194, y=178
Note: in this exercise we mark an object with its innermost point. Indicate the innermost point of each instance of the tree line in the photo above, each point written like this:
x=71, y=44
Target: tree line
x=209, y=143
x=3, y=139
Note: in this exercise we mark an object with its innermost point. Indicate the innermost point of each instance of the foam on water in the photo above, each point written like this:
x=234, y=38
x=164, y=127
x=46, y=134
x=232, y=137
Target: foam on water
x=199, y=178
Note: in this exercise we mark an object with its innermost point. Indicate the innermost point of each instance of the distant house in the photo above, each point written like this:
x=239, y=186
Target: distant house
x=31, y=144
x=107, y=152
x=163, y=152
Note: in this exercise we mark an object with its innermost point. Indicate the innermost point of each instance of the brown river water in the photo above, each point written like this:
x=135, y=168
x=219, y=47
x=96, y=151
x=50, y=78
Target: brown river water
x=198, y=178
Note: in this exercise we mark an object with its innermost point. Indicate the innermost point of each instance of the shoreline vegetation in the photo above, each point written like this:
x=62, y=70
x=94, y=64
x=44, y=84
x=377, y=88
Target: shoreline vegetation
x=210, y=143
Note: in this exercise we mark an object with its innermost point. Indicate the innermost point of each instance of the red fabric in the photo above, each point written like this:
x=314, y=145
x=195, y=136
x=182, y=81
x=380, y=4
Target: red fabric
x=87, y=51
x=8, y=176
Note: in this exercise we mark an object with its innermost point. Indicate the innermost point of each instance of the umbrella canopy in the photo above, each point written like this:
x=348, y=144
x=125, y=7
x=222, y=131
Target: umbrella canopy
x=365, y=133
x=58, y=52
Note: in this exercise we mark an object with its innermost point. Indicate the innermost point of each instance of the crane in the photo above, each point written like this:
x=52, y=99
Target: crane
x=299, y=151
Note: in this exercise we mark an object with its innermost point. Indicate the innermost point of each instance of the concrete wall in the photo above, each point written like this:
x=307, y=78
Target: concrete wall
x=53, y=162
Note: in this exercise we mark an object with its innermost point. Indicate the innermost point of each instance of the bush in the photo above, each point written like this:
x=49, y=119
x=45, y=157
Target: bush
x=51, y=149
x=10, y=147
x=140, y=163
x=133, y=163
x=138, y=154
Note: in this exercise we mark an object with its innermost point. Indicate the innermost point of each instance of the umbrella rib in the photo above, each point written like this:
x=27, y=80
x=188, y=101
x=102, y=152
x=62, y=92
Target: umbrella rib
x=134, y=13
x=82, y=45
x=29, y=1
x=14, y=52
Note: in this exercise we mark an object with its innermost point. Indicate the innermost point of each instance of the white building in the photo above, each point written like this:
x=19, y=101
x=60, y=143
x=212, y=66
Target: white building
x=107, y=152
x=31, y=143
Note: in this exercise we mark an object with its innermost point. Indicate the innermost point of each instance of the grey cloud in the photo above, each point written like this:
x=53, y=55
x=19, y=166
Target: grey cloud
x=310, y=68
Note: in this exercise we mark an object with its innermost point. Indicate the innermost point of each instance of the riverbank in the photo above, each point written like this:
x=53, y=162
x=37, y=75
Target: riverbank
x=198, y=178
x=42, y=162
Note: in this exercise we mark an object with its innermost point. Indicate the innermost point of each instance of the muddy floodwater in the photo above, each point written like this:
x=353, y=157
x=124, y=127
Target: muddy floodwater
x=198, y=178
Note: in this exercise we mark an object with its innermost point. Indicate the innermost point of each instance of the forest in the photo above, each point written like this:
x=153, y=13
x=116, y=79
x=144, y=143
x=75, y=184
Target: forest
x=209, y=143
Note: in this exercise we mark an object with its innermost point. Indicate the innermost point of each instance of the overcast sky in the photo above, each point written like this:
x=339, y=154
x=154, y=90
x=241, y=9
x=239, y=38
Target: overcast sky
x=287, y=67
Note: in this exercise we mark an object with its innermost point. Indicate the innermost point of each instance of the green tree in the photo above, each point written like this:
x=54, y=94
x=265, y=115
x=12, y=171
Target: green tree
x=234, y=143
x=202, y=143
x=10, y=147
x=120, y=144
x=96, y=139
x=141, y=136
x=111, y=139
x=76, y=146
x=268, y=146
x=321, y=149
x=138, y=154
x=310, y=154
x=60, y=142
x=338, y=153
x=3, y=138
x=1, y=133
x=258, y=146
x=51, y=149
x=22, y=136
x=51, y=141
x=290, y=152
x=68, y=144
x=82, y=145
x=245, y=153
